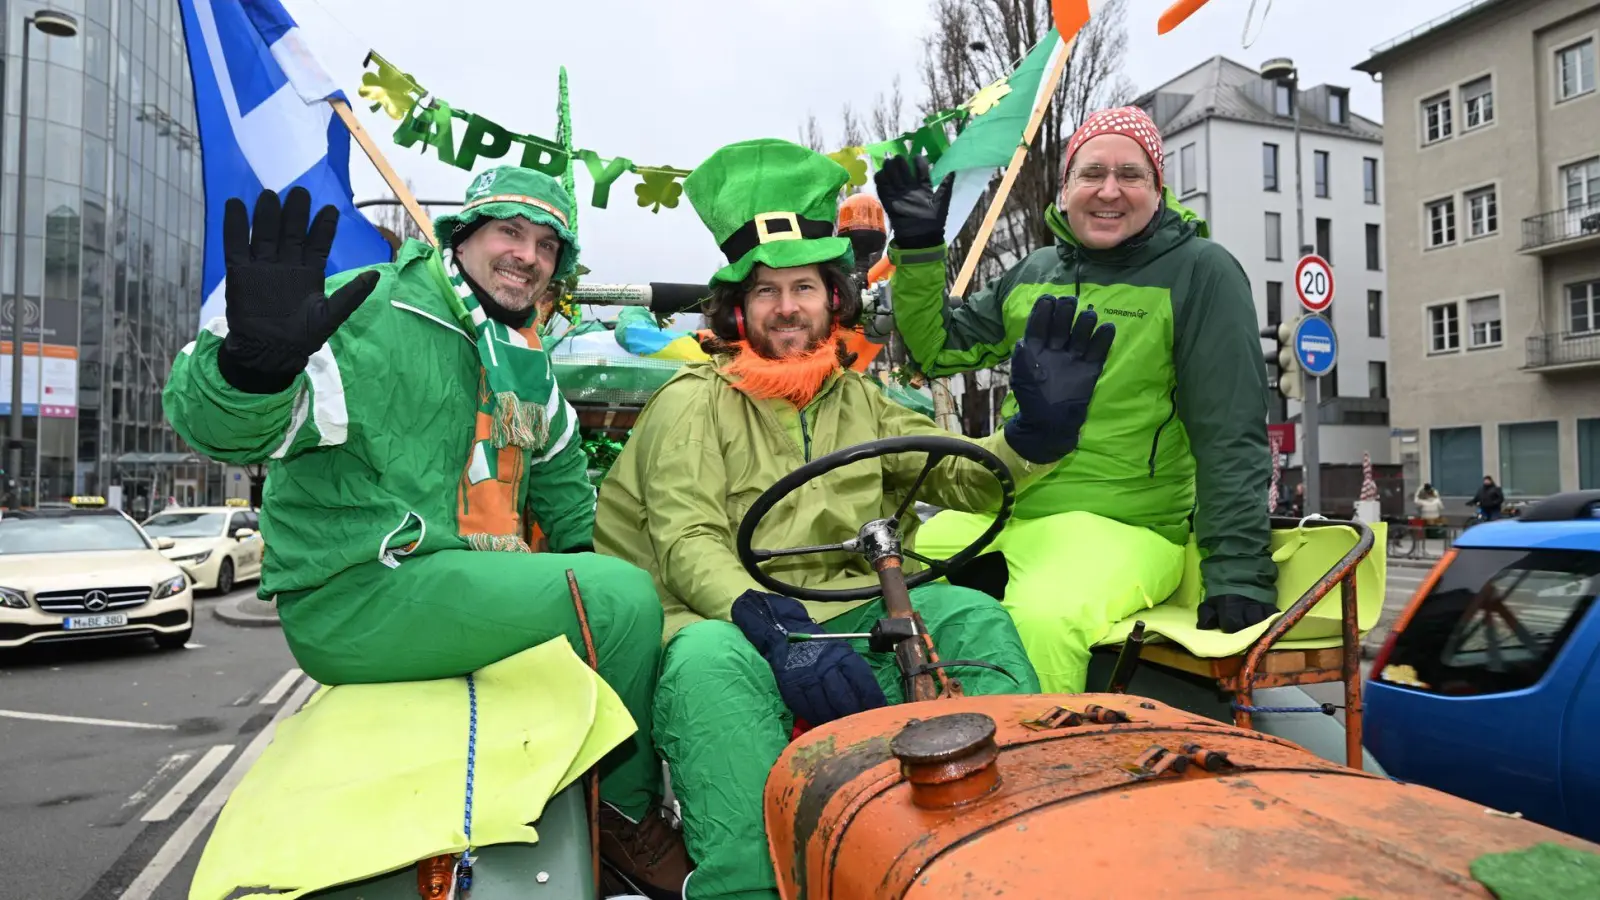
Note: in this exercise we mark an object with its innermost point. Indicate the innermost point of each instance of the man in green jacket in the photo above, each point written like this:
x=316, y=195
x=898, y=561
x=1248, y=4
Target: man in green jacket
x=1176, y=436
x=413, y=432
x=775, y=396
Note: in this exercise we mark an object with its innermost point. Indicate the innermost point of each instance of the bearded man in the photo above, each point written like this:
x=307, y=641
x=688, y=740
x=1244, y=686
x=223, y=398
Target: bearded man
x=775, y=396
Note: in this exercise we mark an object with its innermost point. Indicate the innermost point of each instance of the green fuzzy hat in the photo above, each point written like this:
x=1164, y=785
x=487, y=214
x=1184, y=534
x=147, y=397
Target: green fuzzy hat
x=508, y=191
x=770, y=201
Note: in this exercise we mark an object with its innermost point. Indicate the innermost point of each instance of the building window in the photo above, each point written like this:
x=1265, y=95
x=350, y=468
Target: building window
x=1330, y=384
x=1442, y=222
x=1583, y=307
x=1274, y=237
x=1477, y=103
x=1436, y=124
x=1274, y=303
x=1377, y=380
x=1580, y=182
x=1186, y=168
x=1483, y=213
x=1282, y=99
x=1336, y=107
x=1269, y=167
x=1374, y=248
x=1320, y=166
x=1575, y=69
x=1374, y=313
x=1444, y=328
x=1588, y=454
x=1325, y=239
x=1369, y=179
x=1530, y=459
x=1455, y=460
x=1483, y=322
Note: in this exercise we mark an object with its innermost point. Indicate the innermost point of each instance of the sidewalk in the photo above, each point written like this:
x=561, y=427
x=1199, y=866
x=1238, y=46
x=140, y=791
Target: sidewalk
x=247, y=611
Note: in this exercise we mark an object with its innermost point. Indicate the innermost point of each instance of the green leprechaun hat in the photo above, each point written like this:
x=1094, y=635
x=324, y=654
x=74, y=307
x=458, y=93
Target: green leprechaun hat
x=507, y=191
x=770, y=201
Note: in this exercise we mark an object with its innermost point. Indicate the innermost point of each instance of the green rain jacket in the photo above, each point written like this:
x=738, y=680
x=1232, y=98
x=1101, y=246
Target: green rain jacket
x=1179, y=413
x=367, y=448
x=702, y=452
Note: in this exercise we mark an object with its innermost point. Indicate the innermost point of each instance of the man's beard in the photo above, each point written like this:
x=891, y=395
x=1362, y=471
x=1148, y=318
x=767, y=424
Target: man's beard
x=796, y=378
x=767, y=347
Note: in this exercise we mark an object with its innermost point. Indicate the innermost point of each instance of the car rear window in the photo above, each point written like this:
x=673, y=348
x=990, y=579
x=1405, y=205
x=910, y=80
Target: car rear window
x=1494, y=622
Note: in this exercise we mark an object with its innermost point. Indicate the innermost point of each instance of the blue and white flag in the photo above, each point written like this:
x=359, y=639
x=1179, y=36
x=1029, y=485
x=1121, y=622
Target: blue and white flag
x=261, y=102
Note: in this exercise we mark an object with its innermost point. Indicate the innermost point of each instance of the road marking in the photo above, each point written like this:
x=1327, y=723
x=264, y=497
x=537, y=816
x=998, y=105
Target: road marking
x=79, y=720
x=167, y=765
x=193, y=646
x=188, y=784
x=177, y=846
x=282, y=687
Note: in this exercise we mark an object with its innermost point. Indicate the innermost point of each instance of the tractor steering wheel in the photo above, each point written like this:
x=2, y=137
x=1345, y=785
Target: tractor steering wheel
x=871, y=541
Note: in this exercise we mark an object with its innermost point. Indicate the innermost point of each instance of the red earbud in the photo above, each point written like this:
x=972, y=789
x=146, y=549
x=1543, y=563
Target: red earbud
x=738, y=320
x=833, y=305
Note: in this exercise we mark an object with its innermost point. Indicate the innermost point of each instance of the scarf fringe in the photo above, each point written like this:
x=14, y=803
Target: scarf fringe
x=517, y=422
x=504, y=543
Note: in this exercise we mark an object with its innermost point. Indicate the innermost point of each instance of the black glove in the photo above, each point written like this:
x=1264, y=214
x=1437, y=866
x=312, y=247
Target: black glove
x=277, y=312
x=1232, y=613
x=819, y=680
x=1053, y=374
x=916, y=211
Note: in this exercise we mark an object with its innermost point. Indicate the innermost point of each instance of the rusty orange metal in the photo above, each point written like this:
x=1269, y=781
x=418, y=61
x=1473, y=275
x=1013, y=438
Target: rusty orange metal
x=1056, y=795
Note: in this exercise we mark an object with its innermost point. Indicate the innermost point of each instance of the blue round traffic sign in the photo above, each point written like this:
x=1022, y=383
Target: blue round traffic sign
x=1315, y=345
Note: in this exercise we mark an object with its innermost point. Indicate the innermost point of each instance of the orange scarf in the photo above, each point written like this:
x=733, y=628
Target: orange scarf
x=793, y=378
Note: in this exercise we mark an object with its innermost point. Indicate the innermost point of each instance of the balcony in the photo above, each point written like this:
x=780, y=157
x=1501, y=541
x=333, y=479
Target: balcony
x=1562, y=230
x=1566, y=350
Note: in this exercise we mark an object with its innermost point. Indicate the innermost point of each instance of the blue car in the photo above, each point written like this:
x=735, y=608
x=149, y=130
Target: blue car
x=1489, y=684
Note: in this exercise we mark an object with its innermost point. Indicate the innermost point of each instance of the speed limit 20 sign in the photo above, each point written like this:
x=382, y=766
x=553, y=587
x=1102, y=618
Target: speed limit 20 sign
x=1313, y=282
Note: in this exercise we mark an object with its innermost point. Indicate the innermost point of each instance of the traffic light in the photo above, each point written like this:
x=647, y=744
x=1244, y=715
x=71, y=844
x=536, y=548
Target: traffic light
x=1282, y=356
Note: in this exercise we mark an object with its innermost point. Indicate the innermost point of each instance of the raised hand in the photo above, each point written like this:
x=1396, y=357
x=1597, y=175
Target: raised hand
x=916, y=211
x=1053, y=375
x=278, y=313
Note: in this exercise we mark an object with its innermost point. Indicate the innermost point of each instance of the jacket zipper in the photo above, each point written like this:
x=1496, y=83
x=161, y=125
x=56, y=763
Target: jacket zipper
x=805, y=435
x=1155, y=442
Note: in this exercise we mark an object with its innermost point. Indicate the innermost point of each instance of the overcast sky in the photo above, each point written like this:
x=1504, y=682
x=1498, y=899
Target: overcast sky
x=667, y=83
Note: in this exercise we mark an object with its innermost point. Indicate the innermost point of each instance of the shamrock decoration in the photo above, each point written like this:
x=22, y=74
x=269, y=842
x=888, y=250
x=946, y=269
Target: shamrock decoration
x=389, y=89
x=988, y=97
x=850, y=158
x=659, y=189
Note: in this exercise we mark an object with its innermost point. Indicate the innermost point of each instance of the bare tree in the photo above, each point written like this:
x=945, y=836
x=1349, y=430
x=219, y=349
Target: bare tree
x=855, y=133
x=811, y=134
x=394, y=221
x=888, y=113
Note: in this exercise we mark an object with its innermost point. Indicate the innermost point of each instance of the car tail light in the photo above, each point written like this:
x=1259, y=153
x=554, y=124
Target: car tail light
x=1404, y=619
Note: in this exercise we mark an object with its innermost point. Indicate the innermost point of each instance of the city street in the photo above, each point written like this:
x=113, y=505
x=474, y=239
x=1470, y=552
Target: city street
x=117, y=756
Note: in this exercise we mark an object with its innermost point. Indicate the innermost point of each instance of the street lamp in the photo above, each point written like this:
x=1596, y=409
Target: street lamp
x=53, y=24
x=1282, y=73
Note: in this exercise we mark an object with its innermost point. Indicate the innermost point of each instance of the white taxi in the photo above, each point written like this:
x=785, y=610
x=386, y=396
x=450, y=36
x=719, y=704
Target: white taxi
x=216, y=545
x=70, y=574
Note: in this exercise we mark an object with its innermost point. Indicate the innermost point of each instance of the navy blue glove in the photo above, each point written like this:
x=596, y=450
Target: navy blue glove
x=819, y=680
x=1053, y=374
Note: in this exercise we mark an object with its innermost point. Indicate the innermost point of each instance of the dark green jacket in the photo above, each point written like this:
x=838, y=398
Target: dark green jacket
x=1180, y=412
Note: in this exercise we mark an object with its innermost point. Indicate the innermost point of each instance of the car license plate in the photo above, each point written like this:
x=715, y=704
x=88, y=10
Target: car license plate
x=109, y=620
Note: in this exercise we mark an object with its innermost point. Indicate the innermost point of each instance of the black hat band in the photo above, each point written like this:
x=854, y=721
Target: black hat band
x=769, y=228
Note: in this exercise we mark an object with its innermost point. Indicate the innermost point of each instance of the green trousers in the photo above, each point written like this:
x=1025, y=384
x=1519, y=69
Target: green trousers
x=453, y=612
x=721, y=724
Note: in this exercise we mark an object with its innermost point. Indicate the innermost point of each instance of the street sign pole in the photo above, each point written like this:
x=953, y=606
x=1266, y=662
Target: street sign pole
x=1316, y=346
x=1311, y=460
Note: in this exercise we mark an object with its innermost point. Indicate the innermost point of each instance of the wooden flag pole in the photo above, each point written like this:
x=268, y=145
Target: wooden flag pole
x=970, y=266
x=348, y=116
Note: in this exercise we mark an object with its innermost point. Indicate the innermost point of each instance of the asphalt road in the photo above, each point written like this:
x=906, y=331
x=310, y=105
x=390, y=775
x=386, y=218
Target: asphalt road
x=110, y=751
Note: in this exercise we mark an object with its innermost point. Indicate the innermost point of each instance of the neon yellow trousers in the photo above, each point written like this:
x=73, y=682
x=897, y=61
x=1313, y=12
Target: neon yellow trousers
x=1073, y=575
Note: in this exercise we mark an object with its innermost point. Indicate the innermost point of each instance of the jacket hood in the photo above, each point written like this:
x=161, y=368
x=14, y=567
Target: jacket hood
x=1172, y=225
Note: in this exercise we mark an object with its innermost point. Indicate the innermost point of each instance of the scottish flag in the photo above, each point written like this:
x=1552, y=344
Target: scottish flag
x=261, y=103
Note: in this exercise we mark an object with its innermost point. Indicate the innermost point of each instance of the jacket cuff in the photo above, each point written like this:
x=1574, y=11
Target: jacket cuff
x=911, y=256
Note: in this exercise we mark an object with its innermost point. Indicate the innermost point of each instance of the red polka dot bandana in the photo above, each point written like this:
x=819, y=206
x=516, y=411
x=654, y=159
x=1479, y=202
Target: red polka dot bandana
x=1128, y=121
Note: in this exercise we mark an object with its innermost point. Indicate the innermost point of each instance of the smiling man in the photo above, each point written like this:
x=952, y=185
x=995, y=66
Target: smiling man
x=413, y=434
x=774, y=397
x=1176, y=436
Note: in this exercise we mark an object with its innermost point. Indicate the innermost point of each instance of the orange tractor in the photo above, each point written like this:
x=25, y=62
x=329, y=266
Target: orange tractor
x=1093, y=795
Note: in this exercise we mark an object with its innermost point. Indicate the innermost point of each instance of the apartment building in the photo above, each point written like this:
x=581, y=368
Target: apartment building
x=1492, y=199
x=1230, y=146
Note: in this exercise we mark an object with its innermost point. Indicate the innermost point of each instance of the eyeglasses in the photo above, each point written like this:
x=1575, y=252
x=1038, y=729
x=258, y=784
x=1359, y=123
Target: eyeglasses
x=1127, y=176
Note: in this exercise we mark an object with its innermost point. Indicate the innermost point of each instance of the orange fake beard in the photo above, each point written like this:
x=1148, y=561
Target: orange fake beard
x=794, y=378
